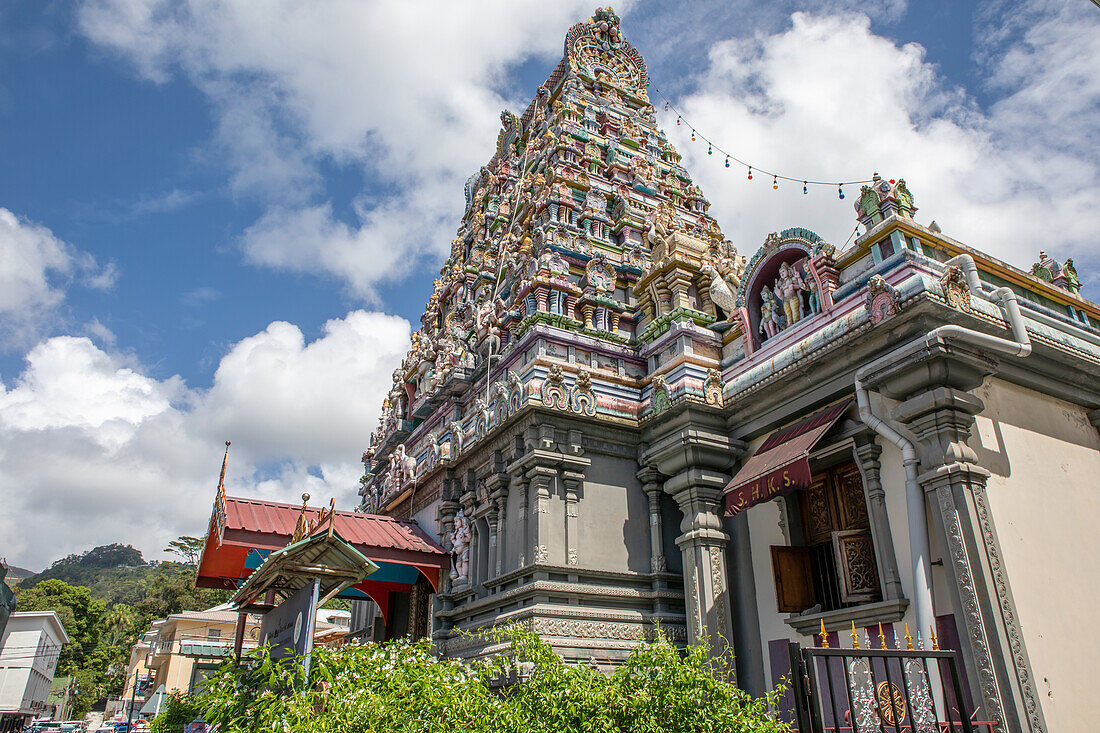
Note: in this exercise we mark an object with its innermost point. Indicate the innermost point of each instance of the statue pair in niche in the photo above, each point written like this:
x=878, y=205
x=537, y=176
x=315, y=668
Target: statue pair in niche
x=792, y=297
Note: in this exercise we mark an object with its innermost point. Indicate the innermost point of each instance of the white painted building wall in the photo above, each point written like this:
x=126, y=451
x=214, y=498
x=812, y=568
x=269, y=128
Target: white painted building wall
x=29, y=650
x=1044, y=496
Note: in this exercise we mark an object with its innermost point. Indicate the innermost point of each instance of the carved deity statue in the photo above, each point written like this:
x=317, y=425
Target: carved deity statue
x=658, y=227
x=815, y=297
x=728, y=263
x=460, y=546
x=769, y=312
x=789, y=287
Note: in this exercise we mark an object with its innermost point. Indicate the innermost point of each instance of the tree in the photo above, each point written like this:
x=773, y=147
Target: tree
x=179, y=710
x=80, y=614
x=119, y=623
x=188, y=548
x=173, y=590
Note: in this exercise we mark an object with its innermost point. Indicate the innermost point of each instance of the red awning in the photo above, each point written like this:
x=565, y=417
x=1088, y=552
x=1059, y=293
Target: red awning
x=782, y=462
x=239, y=526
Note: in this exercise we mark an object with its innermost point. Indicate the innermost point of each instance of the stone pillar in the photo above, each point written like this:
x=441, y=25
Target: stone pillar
x=518, y=488
x=698, y=492
x=543, y=461
x=680, y=283
x=932, y=384
x=448, y=507
x=540, y=479
x=502, y=532
x=497, y=485
x=867, y=453
x=651, y=484
x=491, y=520
x=691, y=446
x=573, y=482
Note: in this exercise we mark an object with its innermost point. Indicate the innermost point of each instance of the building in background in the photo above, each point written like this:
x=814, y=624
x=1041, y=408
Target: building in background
x=29, y=649
x=179, y=652
x=7, y=597
x=615, y=420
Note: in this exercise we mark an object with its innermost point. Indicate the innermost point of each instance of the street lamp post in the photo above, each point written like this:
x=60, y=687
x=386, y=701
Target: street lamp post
x=133, y=698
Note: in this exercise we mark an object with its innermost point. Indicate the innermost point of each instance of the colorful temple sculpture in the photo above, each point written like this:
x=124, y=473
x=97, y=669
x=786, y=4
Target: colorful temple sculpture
x=615, y=421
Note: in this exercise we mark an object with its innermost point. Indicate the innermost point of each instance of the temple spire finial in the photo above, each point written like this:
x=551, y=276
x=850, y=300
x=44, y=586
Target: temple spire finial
x=225, y=462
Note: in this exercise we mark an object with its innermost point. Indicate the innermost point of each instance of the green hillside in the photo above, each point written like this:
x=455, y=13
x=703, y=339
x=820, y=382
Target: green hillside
x=116, y=573
x=106, y=598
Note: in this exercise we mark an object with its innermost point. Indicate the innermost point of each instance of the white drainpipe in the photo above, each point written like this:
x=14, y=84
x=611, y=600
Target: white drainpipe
x=914, y=494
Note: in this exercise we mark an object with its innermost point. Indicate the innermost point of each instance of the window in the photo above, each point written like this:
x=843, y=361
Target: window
x=213, y=633
x=557, y=301
x=832, y=564
x=602, y=319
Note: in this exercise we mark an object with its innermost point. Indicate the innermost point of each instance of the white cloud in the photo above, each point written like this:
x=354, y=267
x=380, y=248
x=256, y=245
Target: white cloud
x=407, y=93
x=827, y=98
x=70, y=383
x=98, y=451
x=35, y=269
x=284, y=398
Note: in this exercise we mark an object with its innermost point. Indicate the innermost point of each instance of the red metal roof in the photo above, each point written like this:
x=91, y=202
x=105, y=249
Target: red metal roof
x=238, y=526
x=371, y=530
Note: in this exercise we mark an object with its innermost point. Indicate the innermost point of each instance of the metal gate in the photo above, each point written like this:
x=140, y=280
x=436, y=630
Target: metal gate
x=880, y=691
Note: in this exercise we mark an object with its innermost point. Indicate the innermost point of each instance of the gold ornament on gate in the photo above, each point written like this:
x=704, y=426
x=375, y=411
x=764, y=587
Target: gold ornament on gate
x=891, y=703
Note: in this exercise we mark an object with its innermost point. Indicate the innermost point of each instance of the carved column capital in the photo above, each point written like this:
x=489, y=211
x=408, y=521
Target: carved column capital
x=921, y=368
x=941, y=419
x=650, y=478
x=867, y=448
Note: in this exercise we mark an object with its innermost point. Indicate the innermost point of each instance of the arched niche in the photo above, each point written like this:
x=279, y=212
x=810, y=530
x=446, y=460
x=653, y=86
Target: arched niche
x=794, y=251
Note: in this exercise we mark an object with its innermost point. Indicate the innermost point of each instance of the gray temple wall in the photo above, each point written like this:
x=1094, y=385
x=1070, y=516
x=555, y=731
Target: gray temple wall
x=613, y=517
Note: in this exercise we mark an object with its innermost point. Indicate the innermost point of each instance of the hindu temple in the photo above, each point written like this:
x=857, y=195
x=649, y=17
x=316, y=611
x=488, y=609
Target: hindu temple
x=617, y=421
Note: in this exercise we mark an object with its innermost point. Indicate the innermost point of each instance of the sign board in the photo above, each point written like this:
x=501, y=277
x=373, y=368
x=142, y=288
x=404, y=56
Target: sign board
x=777, y=482
x=288, y=628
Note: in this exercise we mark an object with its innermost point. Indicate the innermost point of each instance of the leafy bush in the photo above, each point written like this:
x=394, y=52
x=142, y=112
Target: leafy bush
x=179, y=710
x=400, y=686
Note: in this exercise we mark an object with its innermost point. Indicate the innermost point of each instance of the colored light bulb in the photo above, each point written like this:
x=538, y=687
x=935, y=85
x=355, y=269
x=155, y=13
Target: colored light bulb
x=677, y=119
x=804, y=189
x=727, y=161
x=840, y=192
x=775, y=183
x=693, y=135
x=710, y=150
x=750, y=172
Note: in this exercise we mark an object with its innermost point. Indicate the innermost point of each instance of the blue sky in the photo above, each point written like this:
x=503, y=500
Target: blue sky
x=217, y=220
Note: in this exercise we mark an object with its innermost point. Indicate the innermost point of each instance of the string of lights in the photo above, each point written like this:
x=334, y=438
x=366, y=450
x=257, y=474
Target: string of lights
x=712, y=148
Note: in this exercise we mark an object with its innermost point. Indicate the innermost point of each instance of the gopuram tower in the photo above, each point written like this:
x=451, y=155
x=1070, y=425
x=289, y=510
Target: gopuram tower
x=573, y=307
x=617, y=423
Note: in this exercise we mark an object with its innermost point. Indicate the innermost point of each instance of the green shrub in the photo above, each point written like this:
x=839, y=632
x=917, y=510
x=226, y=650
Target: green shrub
x=179, y=709
x=400, y=687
